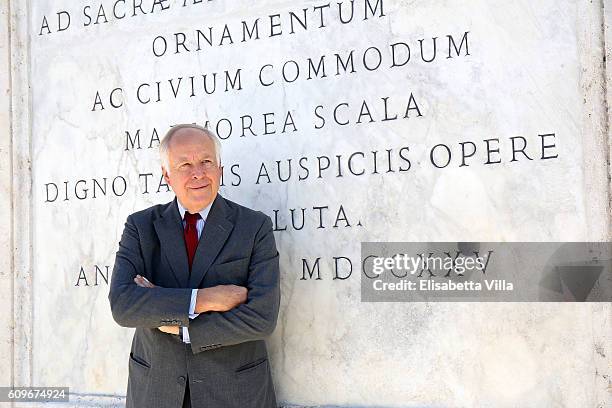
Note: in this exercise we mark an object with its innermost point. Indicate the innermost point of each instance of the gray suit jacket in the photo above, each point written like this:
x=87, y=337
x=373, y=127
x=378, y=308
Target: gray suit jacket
x=227, y=361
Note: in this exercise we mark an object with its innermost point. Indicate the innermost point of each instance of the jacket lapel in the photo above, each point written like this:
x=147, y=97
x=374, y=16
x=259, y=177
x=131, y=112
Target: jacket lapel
x=169, y=229
x=217, y=229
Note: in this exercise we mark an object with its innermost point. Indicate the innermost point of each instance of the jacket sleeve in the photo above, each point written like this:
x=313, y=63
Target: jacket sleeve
x=254, y=319
x=134, y=306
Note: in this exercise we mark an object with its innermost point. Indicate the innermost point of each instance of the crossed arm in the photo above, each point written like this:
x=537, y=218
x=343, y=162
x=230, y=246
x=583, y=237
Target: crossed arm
x=219, y=298
x=229, y=314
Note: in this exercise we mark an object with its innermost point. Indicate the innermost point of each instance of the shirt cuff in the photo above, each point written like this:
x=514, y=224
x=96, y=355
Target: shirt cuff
x=192, y=305
x=185, y=335
x=194, y=297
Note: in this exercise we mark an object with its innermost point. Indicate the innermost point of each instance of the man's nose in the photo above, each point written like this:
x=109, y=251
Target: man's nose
x=199, y=171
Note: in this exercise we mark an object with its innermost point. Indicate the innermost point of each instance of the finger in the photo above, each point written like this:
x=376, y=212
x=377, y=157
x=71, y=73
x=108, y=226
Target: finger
x=147, y=283
x=169, y=329
x=143, y=282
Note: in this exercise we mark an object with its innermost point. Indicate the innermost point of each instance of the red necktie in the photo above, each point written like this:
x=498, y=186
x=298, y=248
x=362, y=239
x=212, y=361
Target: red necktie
x=191, y=235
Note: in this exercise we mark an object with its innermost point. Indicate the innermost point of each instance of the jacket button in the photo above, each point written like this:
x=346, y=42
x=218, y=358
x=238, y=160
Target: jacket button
x=181, y=379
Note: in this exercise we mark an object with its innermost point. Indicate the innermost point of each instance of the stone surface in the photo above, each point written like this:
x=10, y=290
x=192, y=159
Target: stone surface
x=532, y=69
x=21, y=195
x=608, y=88
x=6, y=276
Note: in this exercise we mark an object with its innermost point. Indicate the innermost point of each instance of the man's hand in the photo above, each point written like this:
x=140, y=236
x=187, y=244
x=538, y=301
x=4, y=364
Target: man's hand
x=144, y=282
x=220, y=298
x=170, y=329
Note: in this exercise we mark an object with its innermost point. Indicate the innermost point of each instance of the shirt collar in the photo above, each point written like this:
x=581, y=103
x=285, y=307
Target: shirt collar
x=203, y=213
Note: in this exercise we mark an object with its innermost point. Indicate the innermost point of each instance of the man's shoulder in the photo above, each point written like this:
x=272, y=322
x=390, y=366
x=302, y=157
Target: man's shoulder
x=242, y=212
x=151, y=213
x=238, y=212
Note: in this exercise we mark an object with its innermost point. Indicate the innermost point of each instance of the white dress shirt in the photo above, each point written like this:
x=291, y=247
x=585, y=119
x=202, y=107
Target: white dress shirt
x=194, y=292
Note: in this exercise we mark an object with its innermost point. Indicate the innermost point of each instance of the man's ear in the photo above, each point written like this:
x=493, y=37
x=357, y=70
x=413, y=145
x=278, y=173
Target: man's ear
x=165, y=174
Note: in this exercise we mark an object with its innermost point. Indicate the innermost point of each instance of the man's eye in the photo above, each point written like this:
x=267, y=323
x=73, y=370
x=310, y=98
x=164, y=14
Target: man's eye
x=184, y=165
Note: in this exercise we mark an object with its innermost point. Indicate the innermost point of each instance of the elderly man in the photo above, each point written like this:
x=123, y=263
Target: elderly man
x=199, y=280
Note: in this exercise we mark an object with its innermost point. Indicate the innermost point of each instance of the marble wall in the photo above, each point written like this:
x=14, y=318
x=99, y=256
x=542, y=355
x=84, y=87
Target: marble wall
x=335, y=157
x=5, y=203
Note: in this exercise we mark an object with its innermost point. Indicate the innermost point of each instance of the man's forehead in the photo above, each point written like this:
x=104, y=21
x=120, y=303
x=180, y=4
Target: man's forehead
x=188, y=151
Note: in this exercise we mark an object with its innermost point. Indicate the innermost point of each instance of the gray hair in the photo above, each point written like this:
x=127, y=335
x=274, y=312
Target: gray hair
x=165, y=143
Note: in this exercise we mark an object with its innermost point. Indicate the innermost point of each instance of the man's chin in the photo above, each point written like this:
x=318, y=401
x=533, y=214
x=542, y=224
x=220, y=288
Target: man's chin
x=202, y=200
